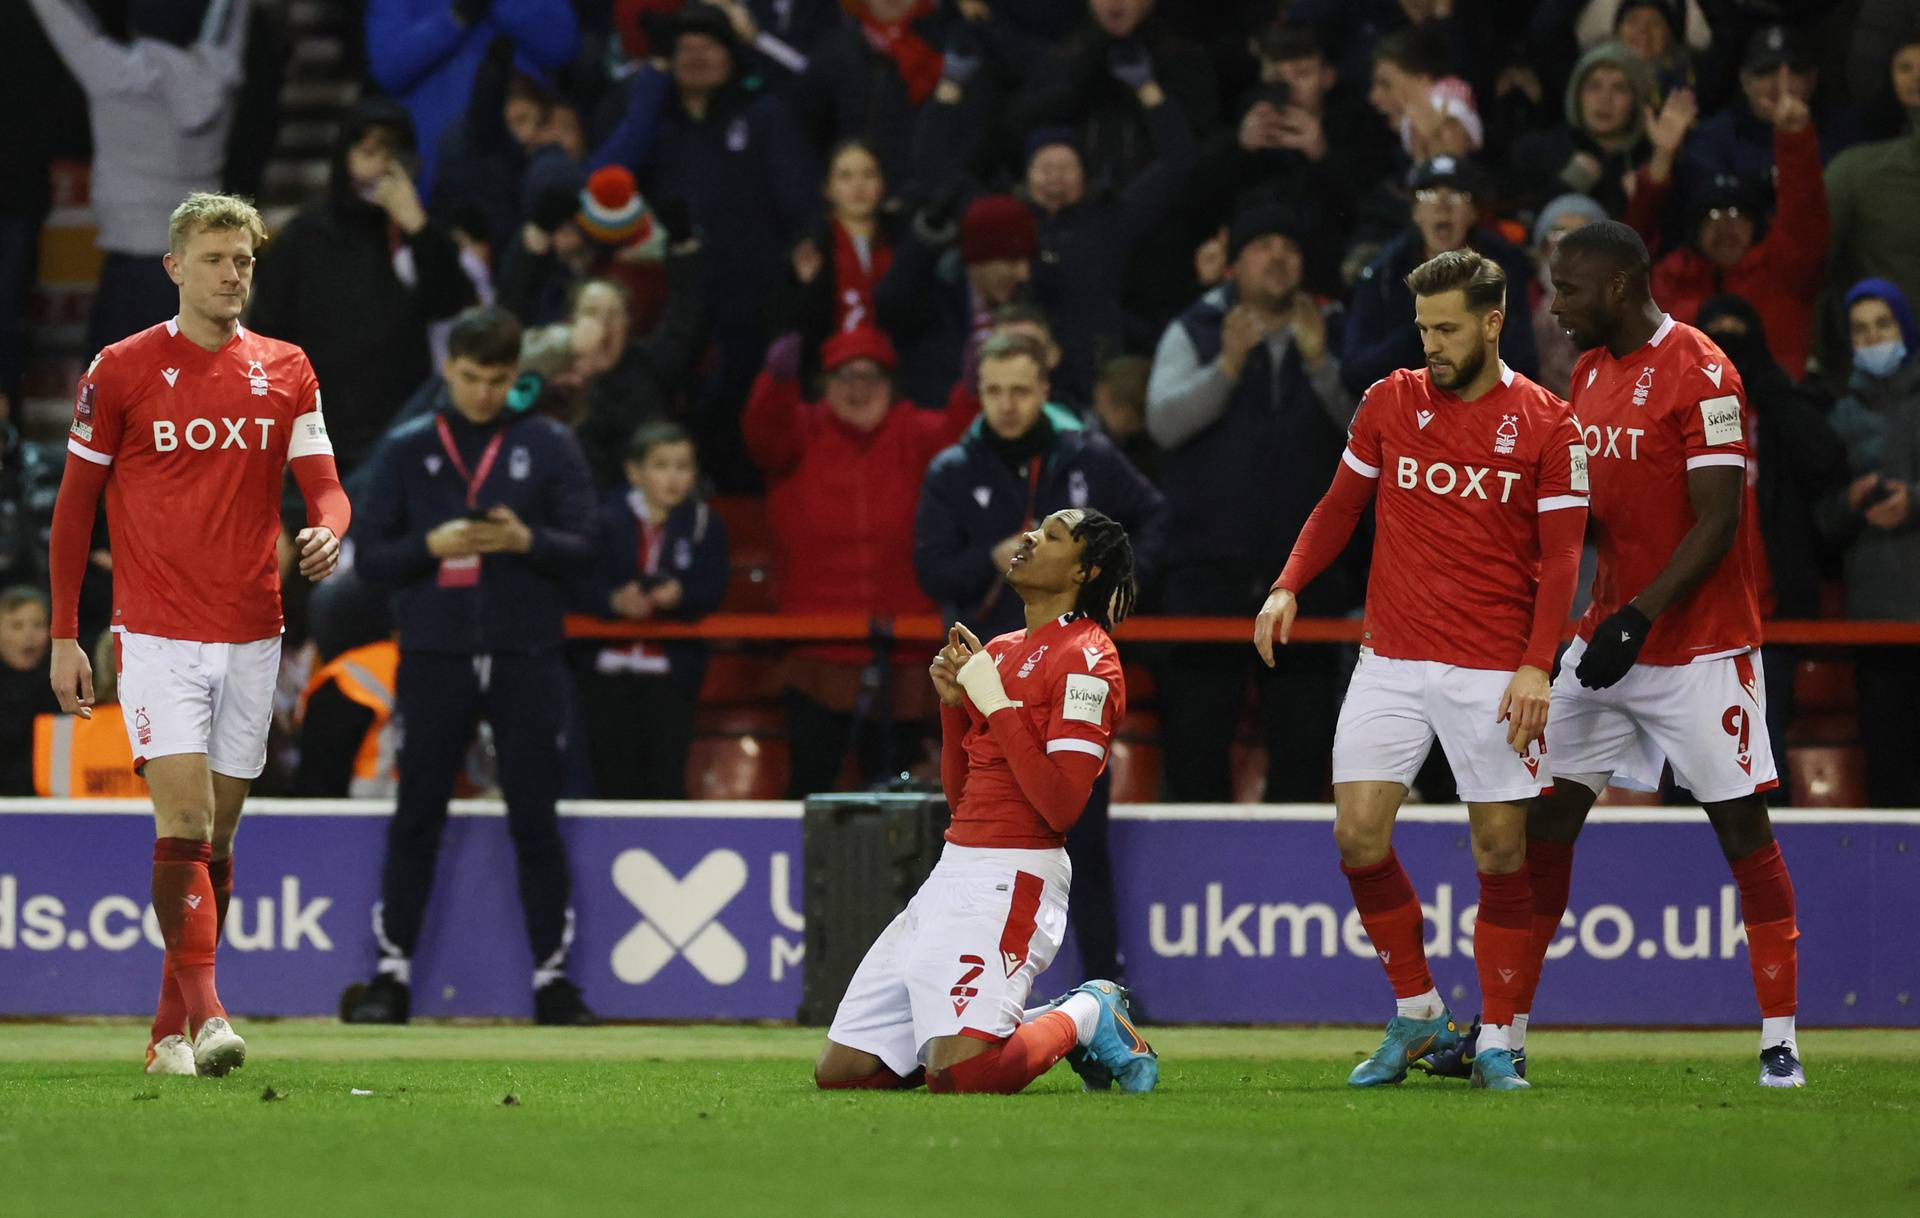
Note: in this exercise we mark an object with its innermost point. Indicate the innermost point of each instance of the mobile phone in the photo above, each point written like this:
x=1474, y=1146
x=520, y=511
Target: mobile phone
x=477, y=514
x=1880, y=491
x=1277, y=93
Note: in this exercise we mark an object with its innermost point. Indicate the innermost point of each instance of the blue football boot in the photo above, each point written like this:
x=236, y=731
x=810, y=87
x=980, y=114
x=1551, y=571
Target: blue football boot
x=1116, y=1044
x=1406, y=1040
x=1093, y=1075
x=1780, y=1068
x=1495, y=1070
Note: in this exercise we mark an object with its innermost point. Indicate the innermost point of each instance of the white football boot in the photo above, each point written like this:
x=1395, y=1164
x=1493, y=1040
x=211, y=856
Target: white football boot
x=218, y=1049
x=171, y=1055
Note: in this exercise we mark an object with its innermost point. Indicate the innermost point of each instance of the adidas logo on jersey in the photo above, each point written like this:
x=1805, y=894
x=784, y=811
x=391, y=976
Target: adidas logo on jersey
x=1441, y=478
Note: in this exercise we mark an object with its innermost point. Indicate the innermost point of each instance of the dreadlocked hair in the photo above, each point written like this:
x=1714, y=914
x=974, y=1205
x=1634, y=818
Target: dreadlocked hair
x=1108, y=596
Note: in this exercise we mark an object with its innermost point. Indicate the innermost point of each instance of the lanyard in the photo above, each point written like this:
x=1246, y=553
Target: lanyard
x=479, y=474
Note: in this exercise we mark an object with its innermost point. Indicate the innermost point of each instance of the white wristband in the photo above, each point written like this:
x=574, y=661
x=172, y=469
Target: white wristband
x=981, y=680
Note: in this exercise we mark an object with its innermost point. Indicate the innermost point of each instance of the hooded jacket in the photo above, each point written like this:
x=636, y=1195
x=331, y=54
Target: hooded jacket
x=160, y=114
x=1881, y=566
x=1544, y=162
x=344, y=284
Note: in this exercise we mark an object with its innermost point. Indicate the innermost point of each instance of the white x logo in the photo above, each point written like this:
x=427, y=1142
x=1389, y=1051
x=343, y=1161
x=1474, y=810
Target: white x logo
x=678, y=917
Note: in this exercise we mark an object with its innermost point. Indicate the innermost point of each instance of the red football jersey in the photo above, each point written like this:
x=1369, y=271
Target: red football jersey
x=1066, y=676
x=1673, y=405
x=1459, y=492
x=199, y=442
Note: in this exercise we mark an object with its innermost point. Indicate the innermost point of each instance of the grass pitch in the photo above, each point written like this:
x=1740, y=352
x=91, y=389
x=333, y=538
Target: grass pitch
x=719, y=1121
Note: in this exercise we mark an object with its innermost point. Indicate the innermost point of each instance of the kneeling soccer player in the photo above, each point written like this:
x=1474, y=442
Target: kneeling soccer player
x=1479, y=481
x=1026, y=720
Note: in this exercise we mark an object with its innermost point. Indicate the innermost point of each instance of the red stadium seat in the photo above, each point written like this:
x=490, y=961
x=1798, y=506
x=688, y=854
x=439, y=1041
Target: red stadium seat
x=1142, y=690
x=1828, y=777
x=1823, y=684
x=737, y=767
x=1249, y=766
x=1136, y=771
x=739, y=676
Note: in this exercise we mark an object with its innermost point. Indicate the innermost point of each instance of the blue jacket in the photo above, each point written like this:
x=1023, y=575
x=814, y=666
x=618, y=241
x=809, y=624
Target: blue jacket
x=1380, y=335
x=694, y=553
x=972, y=500
x=425, y=60
x=411, y=487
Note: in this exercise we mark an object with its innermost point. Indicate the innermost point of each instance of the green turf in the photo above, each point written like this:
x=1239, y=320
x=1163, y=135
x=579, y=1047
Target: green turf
x=714, y=1121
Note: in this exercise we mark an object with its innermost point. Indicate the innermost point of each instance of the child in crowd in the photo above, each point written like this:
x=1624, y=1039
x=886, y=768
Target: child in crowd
x=663, y=554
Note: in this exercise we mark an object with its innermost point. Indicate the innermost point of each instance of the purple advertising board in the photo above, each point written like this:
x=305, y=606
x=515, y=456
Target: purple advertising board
x=693, y=911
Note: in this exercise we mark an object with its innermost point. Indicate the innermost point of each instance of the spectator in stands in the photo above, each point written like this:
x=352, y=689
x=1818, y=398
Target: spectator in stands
x=161, y=108
x=356, y=278
x=610, y=233
x=1301, y=136
x=1652, y=31
x=425, y=53
x=1023, y=459
x=1246, y=400
x=841, y=260
x=348, y=739
x=939, y=320
x=1432, y=113
x=632, y=378
x=24, y=692
x=662, y=554
x=867, y=76
x=843, y=476
x=1875, y=518
x=1120, y=412
x=1731, y=246
x=1870, y=194
x=1380, y=336
x=1794, y=462
x=1604, y=139
x=29, y=482
x=1556, y=351
x=480, y=520
x=1742, y=141
x=746, y=176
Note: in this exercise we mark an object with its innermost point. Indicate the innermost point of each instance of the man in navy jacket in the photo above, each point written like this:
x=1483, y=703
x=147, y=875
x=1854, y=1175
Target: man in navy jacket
x=481, y=523
x=1021, y=460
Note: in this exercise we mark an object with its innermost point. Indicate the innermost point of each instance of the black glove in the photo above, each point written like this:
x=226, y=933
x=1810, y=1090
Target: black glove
x=1614, y=647
x=1129, y=63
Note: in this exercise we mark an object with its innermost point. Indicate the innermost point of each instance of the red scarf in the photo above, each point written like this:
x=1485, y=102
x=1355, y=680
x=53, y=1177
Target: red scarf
x=853, y=283
x=919, y=64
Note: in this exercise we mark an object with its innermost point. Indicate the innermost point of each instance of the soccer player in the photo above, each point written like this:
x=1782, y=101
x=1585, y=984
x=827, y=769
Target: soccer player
x=1479, y=481
x=190, y=426
x=1026, y=721
x=1667, y=663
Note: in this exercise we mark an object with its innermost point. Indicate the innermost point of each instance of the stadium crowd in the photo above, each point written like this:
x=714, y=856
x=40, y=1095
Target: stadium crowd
x=919, y=273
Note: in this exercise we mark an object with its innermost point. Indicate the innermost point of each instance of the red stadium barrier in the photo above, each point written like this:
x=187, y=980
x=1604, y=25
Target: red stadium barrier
x=926, y=628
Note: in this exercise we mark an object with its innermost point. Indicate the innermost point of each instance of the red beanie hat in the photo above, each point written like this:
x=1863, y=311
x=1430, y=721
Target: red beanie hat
x=861, y=342
x=997, y=226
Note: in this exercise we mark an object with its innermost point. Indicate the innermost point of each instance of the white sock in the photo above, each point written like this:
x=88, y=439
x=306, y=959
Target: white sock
x=1519, y=1040
x=397, y=967
x=1495, y=1036
x=1084, y=1010
x=1778, y=1030
x=1420, y=1006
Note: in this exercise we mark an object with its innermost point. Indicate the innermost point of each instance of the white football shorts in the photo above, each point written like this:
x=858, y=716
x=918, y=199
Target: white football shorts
x=184, y=697
x=1395, y=708
x=960, y=959
x=1709, y=719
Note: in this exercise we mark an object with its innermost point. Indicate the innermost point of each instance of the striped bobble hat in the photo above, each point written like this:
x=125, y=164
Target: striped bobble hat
x=611, y=209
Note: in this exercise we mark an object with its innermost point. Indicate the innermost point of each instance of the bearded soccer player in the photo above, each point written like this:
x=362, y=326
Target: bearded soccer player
x=189, y=426
x=1479, y=482
x=1667, y=663
x=1026, y=723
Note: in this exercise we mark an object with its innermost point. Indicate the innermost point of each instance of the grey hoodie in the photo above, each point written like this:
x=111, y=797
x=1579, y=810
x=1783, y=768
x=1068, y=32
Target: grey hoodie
x=1639, y=79
x=160, y=115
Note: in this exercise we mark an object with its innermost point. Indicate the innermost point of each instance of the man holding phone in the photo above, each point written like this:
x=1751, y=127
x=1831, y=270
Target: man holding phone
x=478, y=517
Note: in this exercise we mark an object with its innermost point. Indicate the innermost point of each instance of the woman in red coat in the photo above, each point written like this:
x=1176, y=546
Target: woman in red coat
x=844, y=478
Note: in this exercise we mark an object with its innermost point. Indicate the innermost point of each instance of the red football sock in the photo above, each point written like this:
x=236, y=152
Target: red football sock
x=170, y=1017
x=1503, y=943
x=1391, y=913
x=183, y=905
x=1009, y=1066
x=1550, y=875
x=1766, y=902
x=882, y=1079
x=220, y=875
